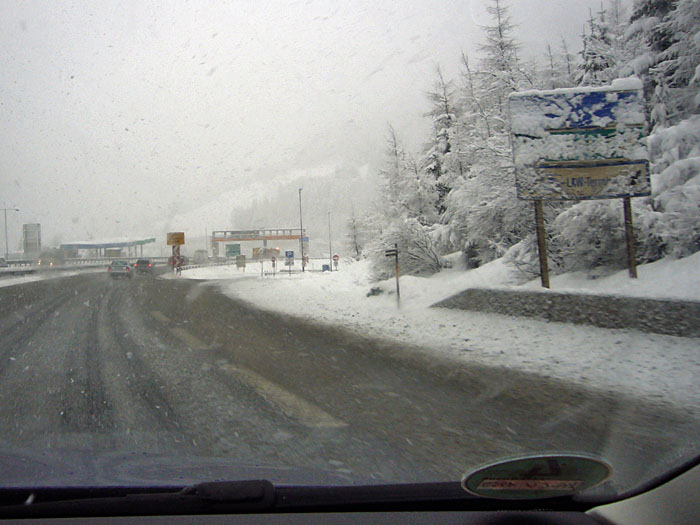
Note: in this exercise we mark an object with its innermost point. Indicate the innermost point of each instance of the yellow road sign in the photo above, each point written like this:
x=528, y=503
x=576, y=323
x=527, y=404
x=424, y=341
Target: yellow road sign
x=176, y=238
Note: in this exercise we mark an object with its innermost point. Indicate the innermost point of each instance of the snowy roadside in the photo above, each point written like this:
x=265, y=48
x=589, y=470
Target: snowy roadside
x=12, y=281
x=628, y=361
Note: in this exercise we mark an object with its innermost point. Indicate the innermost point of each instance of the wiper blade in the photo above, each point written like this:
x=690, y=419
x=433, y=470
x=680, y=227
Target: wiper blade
x=257, y=496
x=258, y=492
x=210, y=497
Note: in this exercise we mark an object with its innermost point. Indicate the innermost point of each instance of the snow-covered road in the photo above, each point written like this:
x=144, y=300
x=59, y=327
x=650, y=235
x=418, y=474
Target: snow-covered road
x=628, y=361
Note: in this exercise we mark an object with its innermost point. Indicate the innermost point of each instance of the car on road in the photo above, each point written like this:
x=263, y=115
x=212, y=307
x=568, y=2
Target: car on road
x=50, y=258
x=120, y=269
x=144, y=266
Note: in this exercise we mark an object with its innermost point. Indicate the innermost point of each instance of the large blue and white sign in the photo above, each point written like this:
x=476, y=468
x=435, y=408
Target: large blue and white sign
x=580, y=143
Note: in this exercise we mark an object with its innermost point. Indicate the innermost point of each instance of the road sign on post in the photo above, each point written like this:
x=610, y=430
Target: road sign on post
x=395, y=253
x=176, y=238
x=580, y=144
x=289, y=260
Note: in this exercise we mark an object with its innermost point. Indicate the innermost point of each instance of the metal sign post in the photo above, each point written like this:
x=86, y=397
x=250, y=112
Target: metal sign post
x=541, y=243
x=395, y=253
x=629, y=234
x=176, y=239
x=301, y=235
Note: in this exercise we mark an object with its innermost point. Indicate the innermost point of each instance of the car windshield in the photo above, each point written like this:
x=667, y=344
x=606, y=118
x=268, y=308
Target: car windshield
x=390, y=242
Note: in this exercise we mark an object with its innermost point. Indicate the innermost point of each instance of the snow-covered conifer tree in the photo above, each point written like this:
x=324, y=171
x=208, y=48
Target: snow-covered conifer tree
x=483, y=216
x=442, y=160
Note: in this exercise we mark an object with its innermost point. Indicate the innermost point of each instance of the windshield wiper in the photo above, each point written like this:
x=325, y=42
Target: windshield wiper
x=257, y=493
x=257, y=496
x=209, y=497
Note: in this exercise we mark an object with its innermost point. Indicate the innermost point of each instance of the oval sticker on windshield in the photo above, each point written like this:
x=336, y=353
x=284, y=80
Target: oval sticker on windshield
x=536, y=477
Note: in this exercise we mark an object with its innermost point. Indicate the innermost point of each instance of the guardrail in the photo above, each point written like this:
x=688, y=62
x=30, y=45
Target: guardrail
x=315, y=264
x=208, y=264
x=20, y=262
x=24, y=267
x=108, y=260
x=17, y=267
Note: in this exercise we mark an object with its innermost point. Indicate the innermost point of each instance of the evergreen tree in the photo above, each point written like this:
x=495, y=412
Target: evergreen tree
x=666, y=56
x=406, y=191
x=604, y=52
x=500, y=64
x=441, y=160
x=679, y=63
x=568, y=65
x=483, y=217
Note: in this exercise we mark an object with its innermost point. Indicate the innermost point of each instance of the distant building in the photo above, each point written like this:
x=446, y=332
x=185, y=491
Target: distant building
x=31, y=239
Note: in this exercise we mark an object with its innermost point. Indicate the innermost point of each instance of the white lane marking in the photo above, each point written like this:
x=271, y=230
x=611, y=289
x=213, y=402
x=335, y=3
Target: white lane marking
x=191, y=341
x=158, y=315
x=292, y=405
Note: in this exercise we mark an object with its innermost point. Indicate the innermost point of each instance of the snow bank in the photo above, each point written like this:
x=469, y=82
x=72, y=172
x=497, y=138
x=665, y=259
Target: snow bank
x=668, y=278
x=12, y=281
x=661, y=367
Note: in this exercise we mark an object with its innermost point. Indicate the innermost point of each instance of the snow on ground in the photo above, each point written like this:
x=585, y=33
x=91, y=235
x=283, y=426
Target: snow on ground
x=13, y=280
x=665, y=279
x=630, y=361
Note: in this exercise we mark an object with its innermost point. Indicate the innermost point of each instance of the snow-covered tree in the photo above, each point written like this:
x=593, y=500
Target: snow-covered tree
x=500, y=63
x=680, y=62
x=568, y=67
x=460, y=193
x=668, y=35
x=664, y=36
x=406, y=191
x=359, y=230
x=604, y=53
x=417, y=253
x=483, y=217
x=559, y=68
x=441, y=161
x=404, y=214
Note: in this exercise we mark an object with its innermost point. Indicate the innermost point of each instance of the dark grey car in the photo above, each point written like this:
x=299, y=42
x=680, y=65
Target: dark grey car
x=143, y=266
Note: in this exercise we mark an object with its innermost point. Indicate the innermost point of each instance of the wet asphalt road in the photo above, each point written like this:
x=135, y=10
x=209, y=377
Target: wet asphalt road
x=170, y=366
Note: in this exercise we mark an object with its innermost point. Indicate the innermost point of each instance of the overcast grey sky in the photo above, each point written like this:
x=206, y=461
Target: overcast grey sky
x=116, y=114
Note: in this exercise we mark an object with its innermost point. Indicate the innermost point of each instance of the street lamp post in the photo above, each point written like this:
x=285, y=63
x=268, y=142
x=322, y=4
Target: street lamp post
x=301, y=233
x=330, y=250
x=7, y=251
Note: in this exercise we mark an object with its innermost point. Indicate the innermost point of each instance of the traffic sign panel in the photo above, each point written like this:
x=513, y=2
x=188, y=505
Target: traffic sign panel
x=175, y=238
x=583, y=143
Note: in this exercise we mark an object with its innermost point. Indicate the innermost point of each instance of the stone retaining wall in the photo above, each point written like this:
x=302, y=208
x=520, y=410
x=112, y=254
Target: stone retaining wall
x=681, y=318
